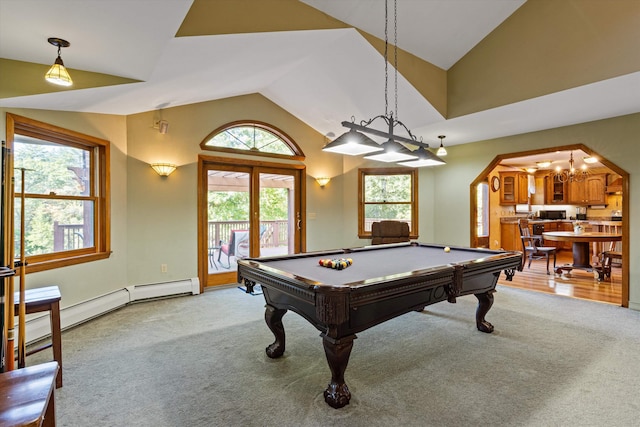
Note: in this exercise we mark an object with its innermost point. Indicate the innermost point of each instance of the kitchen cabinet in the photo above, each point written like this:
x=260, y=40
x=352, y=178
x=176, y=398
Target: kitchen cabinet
x=556, y=191
x=596, y=189
x=551, y=226
x=591, y=191
x=539, y=197
x=514, y=189
x=510, y=236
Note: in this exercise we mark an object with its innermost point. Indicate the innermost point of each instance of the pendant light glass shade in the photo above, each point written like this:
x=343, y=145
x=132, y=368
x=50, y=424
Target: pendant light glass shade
x=441, y=151
x=58, y=74
x=393, y=152
x=352, y=143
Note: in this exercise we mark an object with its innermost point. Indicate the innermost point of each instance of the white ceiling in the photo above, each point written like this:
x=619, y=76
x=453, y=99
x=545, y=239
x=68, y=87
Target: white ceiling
x=315, y=75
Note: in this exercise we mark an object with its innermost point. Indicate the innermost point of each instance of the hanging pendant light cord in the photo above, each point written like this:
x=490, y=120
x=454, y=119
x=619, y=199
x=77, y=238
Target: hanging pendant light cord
x=395, y=60
x=395, y=52
x=386, y=67
x=386, y=59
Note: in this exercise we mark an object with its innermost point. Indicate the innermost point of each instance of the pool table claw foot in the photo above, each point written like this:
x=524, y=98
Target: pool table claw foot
x=273, y=317
x=337, y=395
x=485, y=327
x=337, y=352
x=510, y=272
x=485, y=301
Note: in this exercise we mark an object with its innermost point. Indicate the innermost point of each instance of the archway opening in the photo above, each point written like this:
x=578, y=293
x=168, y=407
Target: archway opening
x=497, y=212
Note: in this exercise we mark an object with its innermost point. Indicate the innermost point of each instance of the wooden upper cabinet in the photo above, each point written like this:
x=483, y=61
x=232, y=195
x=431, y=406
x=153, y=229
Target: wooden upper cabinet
x=514, y=188
x=556, y=191
x=577, y=194
x=591, y=191
x=522, y=195
x=595, y=189
x=539, y=197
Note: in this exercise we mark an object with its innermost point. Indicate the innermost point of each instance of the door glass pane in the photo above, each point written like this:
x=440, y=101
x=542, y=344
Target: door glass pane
x=228, y=219
x=276, y=214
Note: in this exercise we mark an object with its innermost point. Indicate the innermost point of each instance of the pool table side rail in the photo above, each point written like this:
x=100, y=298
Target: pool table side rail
x=507, y=258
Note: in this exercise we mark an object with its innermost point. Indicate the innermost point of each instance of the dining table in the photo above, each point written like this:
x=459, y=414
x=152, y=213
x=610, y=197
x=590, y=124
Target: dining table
x=580, y=245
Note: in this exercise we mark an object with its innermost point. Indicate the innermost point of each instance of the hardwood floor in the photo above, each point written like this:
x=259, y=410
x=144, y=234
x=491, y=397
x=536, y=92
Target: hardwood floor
x=581, y=284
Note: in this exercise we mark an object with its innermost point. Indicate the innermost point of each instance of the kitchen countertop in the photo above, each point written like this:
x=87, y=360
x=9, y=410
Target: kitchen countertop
x=514, y=220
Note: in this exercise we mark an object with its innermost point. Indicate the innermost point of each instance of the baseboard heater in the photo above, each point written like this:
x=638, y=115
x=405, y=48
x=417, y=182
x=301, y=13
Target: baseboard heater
x=38, y=325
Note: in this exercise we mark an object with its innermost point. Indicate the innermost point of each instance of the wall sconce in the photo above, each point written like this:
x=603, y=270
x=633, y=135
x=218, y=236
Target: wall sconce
x=163, y=169
x=322, y=181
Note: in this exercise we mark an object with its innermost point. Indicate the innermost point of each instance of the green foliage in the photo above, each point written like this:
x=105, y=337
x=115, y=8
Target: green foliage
x=387, y=197
x=52, y=170
x=273, y=203
x=234, y=205
x=228, y=205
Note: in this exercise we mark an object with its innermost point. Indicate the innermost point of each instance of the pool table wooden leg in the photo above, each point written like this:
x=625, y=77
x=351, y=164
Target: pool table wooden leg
x=273, y=317
x=337, y=351
x=485, y=301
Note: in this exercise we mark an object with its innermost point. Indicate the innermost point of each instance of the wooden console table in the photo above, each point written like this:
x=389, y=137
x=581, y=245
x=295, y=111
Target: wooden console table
x=27, y=396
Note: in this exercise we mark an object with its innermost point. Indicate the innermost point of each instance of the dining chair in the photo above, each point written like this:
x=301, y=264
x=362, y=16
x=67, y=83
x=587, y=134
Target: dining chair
x=532, y=246
x=389, y=232
x=607, y=257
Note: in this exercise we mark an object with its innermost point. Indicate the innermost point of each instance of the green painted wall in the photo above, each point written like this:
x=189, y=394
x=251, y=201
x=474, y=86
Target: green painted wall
x=154, y=220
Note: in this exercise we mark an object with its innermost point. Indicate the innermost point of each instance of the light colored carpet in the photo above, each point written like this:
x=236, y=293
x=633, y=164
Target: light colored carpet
x=200, y=361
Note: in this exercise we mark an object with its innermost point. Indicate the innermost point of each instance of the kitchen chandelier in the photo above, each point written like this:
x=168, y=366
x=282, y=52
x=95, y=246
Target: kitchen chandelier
x=355, y=142
x=571, y=174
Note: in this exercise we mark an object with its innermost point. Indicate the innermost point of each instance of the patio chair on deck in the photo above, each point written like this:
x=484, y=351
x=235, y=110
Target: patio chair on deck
x=237, y=246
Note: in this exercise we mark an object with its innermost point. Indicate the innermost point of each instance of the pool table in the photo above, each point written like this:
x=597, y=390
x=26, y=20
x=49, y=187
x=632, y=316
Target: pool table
x=384, y=281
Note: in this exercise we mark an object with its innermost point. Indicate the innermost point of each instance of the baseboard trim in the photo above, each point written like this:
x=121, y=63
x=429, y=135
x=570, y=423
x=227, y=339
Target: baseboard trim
x=38, y=326
x=157, y=290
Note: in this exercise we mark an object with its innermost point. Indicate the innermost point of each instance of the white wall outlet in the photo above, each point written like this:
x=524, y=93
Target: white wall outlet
x=163, y=268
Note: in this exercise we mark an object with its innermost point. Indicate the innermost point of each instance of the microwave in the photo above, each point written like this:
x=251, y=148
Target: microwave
x=552, y=214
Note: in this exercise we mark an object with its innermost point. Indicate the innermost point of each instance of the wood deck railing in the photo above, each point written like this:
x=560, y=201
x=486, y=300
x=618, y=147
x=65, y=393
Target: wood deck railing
x=67, y=237
x=274, y=233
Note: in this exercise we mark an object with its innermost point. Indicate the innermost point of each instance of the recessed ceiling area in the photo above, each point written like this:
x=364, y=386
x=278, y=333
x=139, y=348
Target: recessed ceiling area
x=557, y=158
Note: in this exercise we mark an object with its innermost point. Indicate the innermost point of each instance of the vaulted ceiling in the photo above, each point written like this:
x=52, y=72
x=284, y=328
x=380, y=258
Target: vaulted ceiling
x=469, y=69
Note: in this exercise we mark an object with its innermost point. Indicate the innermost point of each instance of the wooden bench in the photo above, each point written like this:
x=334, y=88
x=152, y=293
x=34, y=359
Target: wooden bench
x=45, y=299
x=27, y=396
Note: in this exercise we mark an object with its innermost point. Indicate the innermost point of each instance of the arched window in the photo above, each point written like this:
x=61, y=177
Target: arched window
x=252, y=138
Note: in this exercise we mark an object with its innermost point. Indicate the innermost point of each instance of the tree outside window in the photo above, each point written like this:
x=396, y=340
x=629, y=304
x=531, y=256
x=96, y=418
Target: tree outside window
x=387, y=194
x=65, y=194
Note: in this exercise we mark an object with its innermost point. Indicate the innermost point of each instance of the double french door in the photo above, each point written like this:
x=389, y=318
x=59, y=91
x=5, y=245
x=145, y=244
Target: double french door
x=247, y=209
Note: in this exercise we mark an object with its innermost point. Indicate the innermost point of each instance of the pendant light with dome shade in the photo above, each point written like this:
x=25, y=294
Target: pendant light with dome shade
x=441, y=151
x=58, y=74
